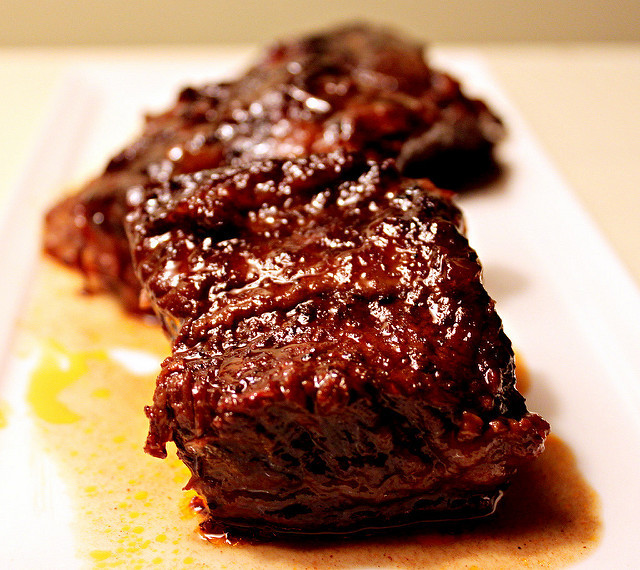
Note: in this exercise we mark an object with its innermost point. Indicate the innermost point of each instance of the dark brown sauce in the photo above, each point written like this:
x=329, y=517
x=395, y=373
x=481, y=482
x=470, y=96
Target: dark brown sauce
x=131, y=512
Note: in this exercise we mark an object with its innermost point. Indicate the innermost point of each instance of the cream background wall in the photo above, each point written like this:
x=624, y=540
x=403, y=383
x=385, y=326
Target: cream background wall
x=108, y=22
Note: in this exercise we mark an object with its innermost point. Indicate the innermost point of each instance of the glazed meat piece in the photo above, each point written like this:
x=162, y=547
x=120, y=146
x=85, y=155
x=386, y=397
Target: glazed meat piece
x=337, y=365
x=355, y=88
x=269, y=201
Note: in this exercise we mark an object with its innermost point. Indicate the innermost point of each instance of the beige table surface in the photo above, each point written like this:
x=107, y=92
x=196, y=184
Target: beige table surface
x=581, y=101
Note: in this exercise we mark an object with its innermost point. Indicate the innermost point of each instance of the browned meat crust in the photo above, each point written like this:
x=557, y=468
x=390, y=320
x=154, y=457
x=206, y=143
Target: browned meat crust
x=354, y=88
x=337, y=364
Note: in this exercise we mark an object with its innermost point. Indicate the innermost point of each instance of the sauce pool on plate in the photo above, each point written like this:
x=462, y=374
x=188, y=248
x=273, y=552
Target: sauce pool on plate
x=87, y=403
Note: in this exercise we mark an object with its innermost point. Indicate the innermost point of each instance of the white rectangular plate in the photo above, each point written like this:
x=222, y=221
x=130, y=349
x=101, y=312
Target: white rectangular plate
x=565, y=300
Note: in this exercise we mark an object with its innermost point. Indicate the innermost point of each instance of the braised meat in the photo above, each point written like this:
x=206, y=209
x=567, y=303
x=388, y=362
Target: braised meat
x=354, y=88
x=337, y=365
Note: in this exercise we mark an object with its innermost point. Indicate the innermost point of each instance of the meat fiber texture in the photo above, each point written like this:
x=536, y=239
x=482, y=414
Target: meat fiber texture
x=336, y=365
x=355, y=88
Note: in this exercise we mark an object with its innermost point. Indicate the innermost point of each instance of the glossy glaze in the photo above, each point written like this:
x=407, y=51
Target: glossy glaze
x=354, y=88
x=337, y=364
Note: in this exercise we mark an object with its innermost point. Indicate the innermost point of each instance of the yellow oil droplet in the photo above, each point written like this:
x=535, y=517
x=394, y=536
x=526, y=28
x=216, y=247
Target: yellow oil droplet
x=161, y=538
x=91, y=489
x=120, y=439
x=134, y=515
x=157, y=560
x=100, y=555
x=188, y=560
x=141, y=495
x=101, y=393
x=137, y=529
x=57, y=369
x=4, y=413
x=186, y=507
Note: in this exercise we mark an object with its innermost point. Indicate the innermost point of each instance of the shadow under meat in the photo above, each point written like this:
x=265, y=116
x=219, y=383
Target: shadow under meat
x=492, y=178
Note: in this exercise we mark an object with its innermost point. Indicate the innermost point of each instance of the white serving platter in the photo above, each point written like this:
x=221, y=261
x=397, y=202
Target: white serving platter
x=566, y=301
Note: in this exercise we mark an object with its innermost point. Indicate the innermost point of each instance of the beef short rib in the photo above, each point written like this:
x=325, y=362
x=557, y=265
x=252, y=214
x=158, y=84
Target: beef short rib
x=336, y=365
x=354, y=88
